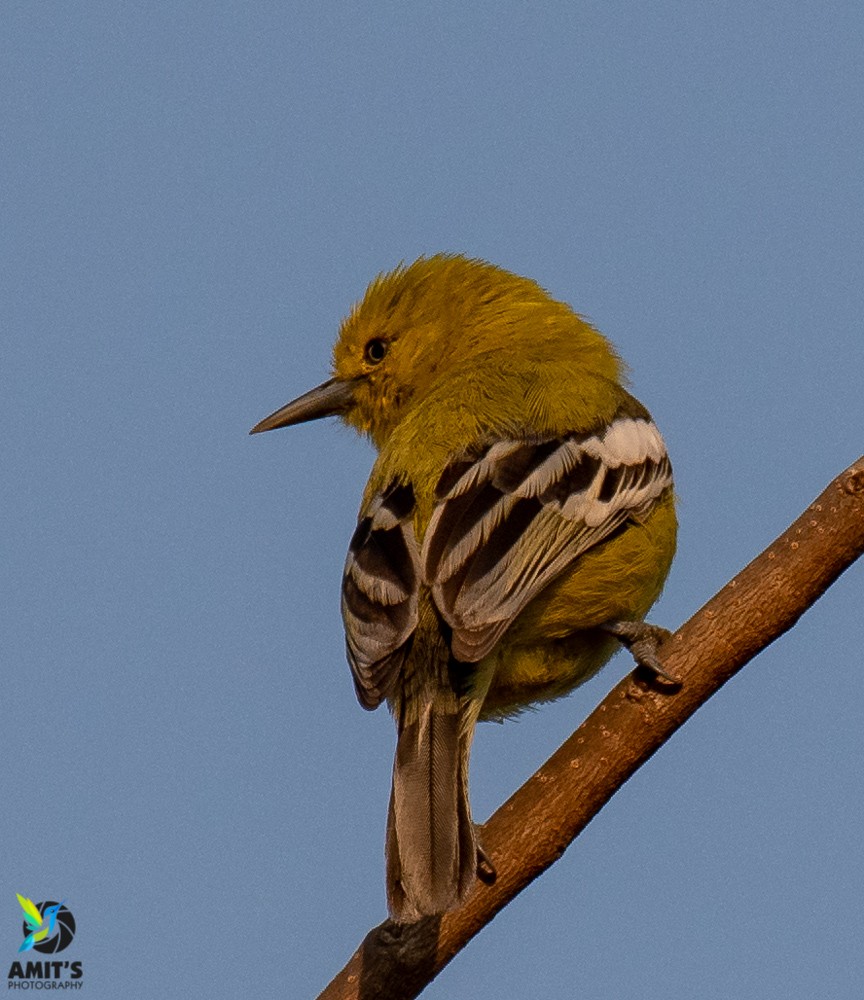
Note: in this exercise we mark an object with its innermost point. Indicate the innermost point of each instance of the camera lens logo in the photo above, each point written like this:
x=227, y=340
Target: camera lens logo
x=48, y=927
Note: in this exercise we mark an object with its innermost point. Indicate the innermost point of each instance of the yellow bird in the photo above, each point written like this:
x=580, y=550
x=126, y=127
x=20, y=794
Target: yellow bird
x=518, y=524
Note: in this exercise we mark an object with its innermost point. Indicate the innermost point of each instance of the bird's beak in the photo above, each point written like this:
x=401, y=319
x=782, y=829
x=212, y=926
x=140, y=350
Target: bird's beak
x=330, y=398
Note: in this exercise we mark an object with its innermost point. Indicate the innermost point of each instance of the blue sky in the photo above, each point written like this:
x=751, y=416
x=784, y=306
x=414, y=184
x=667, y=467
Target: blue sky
x=192, y=197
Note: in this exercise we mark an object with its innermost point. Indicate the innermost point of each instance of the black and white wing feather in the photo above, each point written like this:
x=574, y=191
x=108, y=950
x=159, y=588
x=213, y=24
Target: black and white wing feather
x=511, y=516
x=379, y=592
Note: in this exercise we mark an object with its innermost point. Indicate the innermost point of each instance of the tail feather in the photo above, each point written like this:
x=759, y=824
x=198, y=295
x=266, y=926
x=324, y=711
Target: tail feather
x=431, y=846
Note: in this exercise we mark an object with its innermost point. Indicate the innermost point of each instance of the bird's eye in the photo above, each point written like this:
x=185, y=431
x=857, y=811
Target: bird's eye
x=375, y=351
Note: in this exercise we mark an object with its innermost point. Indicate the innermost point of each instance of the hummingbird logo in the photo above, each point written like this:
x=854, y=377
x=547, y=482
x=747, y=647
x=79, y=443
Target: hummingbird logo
x=40, y=923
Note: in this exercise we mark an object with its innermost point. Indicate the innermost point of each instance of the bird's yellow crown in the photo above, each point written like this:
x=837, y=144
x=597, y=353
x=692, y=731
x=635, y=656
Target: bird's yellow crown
x=422, y=320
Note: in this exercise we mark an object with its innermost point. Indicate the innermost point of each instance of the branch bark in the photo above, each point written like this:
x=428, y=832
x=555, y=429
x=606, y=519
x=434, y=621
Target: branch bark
x=536, y=825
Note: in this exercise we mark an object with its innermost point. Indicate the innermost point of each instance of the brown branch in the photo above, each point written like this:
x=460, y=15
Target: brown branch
x=535, y=826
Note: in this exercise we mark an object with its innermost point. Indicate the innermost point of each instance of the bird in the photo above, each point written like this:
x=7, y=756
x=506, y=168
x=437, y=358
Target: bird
x=517, y=526
x=40, y=925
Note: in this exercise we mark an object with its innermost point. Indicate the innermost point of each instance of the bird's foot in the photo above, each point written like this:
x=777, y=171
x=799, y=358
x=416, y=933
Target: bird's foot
x=642, y=640
x=485, y=869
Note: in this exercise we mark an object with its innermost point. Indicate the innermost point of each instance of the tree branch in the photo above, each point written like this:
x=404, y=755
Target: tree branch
x=536, y=825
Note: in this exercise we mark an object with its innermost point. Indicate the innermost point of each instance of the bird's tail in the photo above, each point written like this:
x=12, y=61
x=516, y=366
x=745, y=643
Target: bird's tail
x=431, y=845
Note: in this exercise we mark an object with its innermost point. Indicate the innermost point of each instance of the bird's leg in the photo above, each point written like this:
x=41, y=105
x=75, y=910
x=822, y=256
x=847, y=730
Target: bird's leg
x=485, y=869
x=642, y=639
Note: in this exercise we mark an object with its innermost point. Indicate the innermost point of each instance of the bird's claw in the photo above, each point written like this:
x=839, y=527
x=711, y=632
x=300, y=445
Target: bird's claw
x=642, y=640
x=485, y=869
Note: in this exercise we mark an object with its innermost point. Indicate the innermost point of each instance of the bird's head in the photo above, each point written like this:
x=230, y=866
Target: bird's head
x=420, y=321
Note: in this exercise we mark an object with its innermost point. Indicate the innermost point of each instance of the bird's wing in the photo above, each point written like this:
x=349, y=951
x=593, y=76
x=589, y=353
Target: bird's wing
x=31, y=913
x=379, y=592
x=511, y=515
